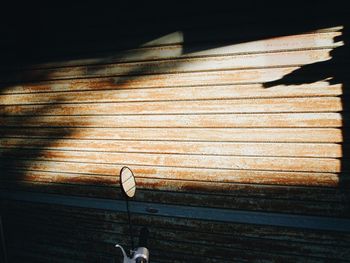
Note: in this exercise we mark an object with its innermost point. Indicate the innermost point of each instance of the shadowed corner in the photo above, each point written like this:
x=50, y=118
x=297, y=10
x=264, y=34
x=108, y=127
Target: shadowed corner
x=334, y=71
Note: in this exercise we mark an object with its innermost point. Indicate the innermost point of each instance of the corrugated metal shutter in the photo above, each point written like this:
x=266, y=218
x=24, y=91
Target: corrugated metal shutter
x=206, y=118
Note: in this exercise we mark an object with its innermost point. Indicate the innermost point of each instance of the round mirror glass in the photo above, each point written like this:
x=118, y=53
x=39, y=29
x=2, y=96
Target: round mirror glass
x=127, y=181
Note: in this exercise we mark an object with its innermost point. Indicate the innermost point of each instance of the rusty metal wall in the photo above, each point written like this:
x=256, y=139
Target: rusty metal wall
x=218, y=115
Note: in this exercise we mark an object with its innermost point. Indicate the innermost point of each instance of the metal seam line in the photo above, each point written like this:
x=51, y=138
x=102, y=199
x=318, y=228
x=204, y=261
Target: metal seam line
x=200, y=213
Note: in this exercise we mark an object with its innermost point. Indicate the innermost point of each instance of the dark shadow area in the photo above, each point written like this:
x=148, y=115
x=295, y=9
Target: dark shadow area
x=53, y=33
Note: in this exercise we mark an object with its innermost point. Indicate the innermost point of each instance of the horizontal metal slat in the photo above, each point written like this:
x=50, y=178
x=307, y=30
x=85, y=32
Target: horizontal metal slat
x=104, y=173
x=318, y=104
x=183, y=160
x=170, y=50
x=298, y=135
x=224, y=77
x=179, y=65
x=190, y=191
x=89, y=218
x=196, y=148
x=245, y=217
x=272, y=120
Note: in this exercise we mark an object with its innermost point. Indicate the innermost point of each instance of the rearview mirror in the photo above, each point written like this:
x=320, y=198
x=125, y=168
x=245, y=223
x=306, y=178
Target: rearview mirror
x=127, y=182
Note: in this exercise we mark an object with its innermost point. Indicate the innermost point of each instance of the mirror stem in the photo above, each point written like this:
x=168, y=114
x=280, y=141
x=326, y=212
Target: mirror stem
x=130, y=225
